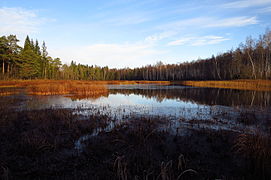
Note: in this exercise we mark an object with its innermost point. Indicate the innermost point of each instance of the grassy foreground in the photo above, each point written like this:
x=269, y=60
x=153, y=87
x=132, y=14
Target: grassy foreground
x=39, y=144
x=257, y=85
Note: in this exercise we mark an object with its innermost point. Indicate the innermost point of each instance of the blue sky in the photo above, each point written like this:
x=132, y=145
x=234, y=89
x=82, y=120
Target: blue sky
x=133, y=33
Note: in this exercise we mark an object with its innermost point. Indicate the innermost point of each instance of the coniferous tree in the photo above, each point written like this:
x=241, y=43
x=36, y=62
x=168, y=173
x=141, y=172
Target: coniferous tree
x=30, y=61
x=3, y=52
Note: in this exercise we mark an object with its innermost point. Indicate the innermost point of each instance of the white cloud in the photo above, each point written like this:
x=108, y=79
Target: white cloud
x=209, y=22
x=112, y=55
x=160, y=36
x=181, y=41
x=127, y=20
x=198, y=41
x=265, y=10
x=246, y=3
x=19, y=21
x=185, y=23
x=233, y=22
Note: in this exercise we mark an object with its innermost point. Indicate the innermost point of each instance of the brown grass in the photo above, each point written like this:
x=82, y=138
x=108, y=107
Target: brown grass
x=70, y=88
x=6, y=91
x=258, y=85
x=257, y=149
x=261, y=85
x=75, y=88
x=24, y=83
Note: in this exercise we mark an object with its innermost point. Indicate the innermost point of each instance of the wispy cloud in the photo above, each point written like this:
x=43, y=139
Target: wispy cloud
x=246, y=3
x=160, y=36
x=128, y=20
x=233, y=22
x=19, y=21
x=112, y=55
x=210, y=22
x=198, y=41
x=185, y=23
x=181, y=41
x=265, y=10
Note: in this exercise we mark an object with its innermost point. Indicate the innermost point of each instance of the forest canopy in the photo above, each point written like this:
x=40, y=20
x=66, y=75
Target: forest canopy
x=251, y=60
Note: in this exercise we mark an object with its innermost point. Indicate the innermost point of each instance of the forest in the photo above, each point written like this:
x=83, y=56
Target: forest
x=251, y=60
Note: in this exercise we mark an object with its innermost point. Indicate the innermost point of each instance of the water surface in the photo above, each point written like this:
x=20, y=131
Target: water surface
x=214, y=108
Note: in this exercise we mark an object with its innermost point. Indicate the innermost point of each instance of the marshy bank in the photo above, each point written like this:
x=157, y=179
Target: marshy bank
x=41, y=145
x=149, y=131
x=242, y=84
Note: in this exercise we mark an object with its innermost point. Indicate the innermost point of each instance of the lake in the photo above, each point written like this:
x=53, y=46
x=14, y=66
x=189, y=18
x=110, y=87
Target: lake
x=169, y=128
x=214, y=108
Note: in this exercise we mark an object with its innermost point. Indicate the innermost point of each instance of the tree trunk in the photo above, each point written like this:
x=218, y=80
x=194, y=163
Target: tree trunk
x=253, y=67
x=218, y=71
x=3, y=68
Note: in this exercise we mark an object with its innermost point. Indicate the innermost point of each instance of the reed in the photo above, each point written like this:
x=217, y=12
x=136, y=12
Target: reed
x=75, y=88
x=258, y=85
x=68, y=88
x=4, y=172
x=256, y=148
x=6, y=91
x=24, y=83
x=121, y=168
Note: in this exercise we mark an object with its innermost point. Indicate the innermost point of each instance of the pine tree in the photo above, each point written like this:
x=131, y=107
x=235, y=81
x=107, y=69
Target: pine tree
x=3, y=52
x=31, y=64
x=13, y=54
x=44, y=61
x=37, y=48
x=27, y=43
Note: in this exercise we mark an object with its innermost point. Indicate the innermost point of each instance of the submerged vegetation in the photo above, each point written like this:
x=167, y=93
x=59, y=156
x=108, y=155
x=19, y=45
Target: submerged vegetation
x=41, y=144
x=96, y=88
x=87, y=143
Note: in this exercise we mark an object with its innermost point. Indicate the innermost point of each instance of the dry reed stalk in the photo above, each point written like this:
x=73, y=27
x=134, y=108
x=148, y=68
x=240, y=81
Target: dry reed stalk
x=74, y=88
x=257, y=149
x=166, y=169
x=4, y=172
x=258, y=85
x=8, y=91
x=121, y=166
x=253, y=146
x=186, y=171
x=26, y=83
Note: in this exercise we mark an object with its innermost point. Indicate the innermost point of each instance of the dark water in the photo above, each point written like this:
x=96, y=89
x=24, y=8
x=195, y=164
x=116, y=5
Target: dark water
x=184, y=107
x=214, y=108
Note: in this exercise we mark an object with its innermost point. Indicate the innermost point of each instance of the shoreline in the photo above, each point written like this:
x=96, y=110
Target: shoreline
x=240, y=84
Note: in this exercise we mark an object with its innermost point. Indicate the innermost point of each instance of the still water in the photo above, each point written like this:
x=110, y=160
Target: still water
x=225, y=109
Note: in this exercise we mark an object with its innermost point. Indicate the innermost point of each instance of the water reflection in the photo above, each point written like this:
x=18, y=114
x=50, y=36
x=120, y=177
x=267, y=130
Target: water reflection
x=222, y=108
x=204, y=96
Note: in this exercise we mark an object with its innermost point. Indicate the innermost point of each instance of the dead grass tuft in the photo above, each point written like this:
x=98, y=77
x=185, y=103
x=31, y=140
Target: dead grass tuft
x=258, y=85
x=256, y=148
x=68, y=88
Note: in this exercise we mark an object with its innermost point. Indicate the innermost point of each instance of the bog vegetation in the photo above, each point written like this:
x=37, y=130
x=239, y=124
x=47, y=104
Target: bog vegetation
x=251, y=60
x=39, y=144
x=261, y=85
x=42, y=143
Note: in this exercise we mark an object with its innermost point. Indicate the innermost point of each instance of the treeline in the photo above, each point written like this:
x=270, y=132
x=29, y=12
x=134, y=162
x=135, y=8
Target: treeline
x=251, y=60
x=28, y=62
